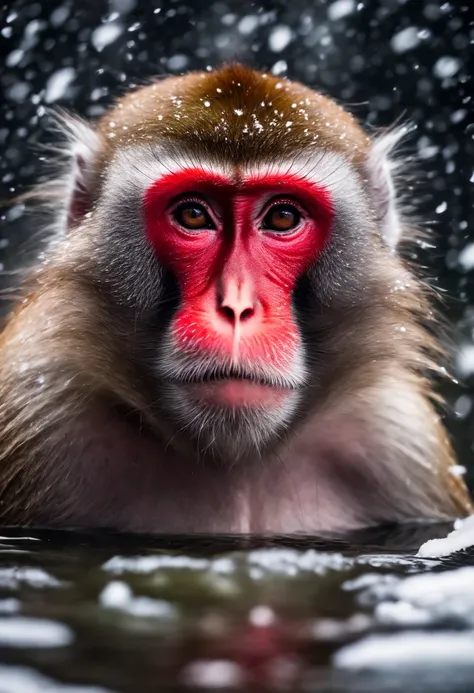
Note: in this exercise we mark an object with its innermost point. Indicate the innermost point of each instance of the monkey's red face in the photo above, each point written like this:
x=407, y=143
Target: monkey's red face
x=237, y=247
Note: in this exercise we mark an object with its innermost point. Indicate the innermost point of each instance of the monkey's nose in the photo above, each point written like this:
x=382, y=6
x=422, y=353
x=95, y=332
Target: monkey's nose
x=238, y=305
x=236, y=314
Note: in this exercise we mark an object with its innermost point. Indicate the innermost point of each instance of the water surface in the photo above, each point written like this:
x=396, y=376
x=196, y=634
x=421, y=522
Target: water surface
x=102, y=612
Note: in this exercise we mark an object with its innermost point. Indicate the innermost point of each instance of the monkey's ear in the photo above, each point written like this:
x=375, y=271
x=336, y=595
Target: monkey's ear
x=381, y=168
x=82, y=150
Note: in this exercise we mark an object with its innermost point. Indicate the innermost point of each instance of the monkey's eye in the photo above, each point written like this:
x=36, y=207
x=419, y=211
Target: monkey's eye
x=282, y=217
x=193, y=216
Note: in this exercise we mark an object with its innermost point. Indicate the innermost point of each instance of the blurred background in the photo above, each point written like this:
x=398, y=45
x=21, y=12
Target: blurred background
x=383, y=59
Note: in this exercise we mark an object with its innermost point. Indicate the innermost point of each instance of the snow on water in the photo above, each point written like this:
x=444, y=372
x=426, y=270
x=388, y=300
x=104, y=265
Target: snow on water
x=15, y=679
x=119, y=596
x=214, y=674
x=462, y=537
x=423, y=599
x=432, y=614
x=12, y=578
x=288, y=562
x=21, y=631
x=447, y=593
x=415, y=650
x=148, y=564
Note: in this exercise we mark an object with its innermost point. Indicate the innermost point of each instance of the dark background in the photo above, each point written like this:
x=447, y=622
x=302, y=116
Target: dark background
x=384, y=59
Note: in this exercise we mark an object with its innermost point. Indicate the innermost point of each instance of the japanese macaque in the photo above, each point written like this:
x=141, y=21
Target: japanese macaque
x=222, y=336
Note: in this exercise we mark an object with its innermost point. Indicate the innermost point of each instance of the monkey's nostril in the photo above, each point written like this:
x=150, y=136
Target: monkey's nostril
x=228, y=313
x=246, y=314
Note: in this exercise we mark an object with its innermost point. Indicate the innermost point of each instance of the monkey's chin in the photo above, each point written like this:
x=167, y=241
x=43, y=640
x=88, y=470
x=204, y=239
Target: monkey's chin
x=232, y=419
x=235, y=394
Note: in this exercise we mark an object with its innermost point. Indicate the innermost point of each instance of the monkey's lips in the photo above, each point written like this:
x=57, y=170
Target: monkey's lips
x=237, y=392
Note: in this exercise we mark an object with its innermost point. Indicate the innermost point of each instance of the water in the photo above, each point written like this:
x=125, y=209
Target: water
x=103, y=612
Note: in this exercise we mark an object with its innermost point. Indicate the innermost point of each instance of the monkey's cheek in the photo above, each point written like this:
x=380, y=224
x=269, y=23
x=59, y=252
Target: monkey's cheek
x=236, y=394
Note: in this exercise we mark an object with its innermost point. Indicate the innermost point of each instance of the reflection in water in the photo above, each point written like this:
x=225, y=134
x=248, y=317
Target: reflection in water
x=128, y=613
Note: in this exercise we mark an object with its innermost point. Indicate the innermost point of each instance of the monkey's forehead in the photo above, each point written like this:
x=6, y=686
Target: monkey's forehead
x=235, y=114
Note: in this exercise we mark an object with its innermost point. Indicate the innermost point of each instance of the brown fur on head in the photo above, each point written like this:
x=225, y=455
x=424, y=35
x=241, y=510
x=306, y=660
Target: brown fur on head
x=223, y=110
x=97, y=335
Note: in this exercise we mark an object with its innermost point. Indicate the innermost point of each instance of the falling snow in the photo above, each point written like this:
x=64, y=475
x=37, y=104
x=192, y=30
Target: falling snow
x=58, y=84
x=248, y=24
x=106, y=34
x=280, y=67
x=405, y=40
x=341, y=8
x=466, y=257
x=279, y=38
x=178, y=62
x=446, y=67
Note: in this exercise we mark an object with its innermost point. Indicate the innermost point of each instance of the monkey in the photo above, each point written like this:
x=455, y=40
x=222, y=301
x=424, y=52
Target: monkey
x=223, y=335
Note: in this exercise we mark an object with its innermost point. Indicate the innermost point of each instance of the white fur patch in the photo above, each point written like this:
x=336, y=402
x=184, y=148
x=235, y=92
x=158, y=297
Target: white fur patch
x=141, y=167
x=81, y=150
x=380, y=168
x=137, y=168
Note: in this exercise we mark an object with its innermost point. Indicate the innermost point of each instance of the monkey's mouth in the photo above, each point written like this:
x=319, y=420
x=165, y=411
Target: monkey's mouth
x=235, y=389
x=238, y=392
